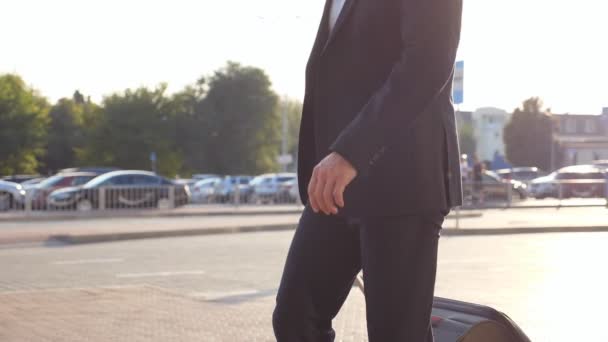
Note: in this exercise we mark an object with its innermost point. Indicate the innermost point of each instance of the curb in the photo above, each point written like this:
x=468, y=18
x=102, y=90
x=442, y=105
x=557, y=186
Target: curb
x=113, y=237
x=556, y=207
x=521, y=230
x=153, y=214
x=144, y=214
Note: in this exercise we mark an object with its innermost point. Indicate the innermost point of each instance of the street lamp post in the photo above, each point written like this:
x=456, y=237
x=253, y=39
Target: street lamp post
x=284, y=138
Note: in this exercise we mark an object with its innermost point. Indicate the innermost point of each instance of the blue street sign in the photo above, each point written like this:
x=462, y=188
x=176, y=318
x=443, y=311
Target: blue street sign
x=458, y=90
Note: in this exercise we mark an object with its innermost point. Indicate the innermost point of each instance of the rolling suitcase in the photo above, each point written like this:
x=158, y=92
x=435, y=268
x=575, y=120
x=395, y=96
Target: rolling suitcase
x=456, y=321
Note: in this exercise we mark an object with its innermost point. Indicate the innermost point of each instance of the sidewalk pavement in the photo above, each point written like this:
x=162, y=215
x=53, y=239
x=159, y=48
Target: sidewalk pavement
x=484, y=222
x=150, y=314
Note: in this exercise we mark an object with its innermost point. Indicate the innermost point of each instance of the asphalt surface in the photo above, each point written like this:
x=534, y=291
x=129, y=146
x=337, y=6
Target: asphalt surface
x=553, y=285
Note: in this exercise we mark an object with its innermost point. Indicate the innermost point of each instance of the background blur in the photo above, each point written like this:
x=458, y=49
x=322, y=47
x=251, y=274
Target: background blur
x=148, y=151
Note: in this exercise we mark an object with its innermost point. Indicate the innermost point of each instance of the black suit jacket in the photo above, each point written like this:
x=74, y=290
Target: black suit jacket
x=378, y=92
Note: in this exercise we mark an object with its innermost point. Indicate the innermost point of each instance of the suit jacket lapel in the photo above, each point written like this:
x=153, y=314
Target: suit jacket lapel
x=346, y=10
x=322, y=32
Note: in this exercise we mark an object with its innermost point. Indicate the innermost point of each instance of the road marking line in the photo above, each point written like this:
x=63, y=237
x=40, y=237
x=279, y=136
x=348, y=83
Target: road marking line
x=65, y=289
x=159, y=274
x=219, y=295
x=86, y=261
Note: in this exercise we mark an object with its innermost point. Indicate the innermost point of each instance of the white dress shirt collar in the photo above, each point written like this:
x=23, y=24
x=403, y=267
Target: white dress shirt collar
x=336, y=8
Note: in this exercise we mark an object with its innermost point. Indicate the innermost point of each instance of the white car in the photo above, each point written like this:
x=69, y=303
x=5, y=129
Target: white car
x=289, y=191
x=267, y=188
x=577, y=181
x=12, y=195
x=545, y=186
x=205, y=191
x=602, y=164
x=294, y=191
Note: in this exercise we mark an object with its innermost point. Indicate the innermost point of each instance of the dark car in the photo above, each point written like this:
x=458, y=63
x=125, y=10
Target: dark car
x=496, y=188
x=38, y=193
x=121, y=189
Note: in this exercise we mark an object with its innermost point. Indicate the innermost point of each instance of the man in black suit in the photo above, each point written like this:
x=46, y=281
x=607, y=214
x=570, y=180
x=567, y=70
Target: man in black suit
x=378, y=168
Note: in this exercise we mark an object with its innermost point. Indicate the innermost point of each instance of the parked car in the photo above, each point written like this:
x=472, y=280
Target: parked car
x=19, y=178
x=289, y=191
x=522, y=174
x=221, y=190
x=32, y=182
x=100, y=170
x=39, y=192
x=267, y=188
x=601, y=163
x=227, y=189
x=495, y=188
x=294, y=192
x=204, y=191
x=12, y=195
x=123, y=189
x=581, y=181
x=201, y=176
x=544, y=186
x=186, y=181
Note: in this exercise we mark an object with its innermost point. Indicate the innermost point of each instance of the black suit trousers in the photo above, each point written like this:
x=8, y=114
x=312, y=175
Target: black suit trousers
x=398, y=256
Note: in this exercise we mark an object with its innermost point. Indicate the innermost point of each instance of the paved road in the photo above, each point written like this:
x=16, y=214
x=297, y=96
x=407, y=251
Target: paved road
x=552, y=284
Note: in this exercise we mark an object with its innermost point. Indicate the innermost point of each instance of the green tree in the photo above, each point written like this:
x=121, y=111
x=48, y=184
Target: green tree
x=78, y=97
x=240, y=125
x=67, y=132
x=528, y=135
x=131, y=126
x=23, y=124
x=189, y=127
x=466, y=138
x=292, y=109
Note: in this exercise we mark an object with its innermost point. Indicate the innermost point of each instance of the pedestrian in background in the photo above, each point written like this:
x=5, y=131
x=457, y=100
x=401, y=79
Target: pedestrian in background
x=606, y=185
x=479, y=168
x=378, y=168
x=465, y=169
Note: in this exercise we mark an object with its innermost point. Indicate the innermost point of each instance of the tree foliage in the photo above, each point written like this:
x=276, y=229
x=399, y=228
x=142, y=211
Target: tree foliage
x=134, y=124
x=466, y=138
x=226, y=123
x=294, y=115
x=23, y=123
x=67, y=131
x=528, y=135
x=189, y=129
x=240, y=123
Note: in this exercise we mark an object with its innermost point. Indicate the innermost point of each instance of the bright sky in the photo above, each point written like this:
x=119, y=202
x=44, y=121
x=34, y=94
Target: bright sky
x=555, y=49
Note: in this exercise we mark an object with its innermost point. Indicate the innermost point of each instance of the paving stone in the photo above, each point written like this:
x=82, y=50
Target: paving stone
x=146, y=313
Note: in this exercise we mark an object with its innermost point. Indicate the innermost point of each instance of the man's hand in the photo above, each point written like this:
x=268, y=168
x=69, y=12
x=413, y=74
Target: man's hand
x=329, y=179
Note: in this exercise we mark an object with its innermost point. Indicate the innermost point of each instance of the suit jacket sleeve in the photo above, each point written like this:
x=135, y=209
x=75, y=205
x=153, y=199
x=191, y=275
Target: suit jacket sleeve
x=430, y=31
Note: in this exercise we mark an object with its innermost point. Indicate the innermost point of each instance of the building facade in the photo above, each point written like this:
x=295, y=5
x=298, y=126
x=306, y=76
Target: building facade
x=580, y=139
x=489, y=124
